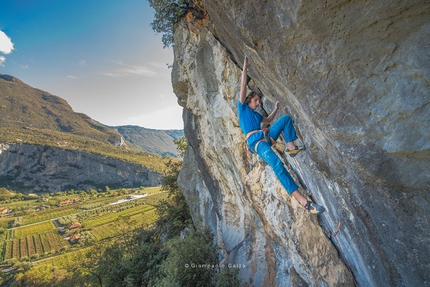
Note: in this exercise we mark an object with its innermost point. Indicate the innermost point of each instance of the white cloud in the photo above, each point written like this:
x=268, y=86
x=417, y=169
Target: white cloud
x=127, y=70
x=82, y=63
x=6, y=46
x=71, y=77
x=142, y=71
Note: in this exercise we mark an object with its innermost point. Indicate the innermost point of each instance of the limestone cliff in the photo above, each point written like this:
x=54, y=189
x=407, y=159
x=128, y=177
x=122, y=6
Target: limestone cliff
x=36, y=168
x=355, y=78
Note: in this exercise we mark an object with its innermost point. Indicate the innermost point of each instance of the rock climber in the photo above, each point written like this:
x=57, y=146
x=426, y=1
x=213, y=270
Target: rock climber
x=260, y=140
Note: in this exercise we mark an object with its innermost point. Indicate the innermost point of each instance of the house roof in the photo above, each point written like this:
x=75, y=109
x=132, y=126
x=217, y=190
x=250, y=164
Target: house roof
x=74, y=237
x=74, y=225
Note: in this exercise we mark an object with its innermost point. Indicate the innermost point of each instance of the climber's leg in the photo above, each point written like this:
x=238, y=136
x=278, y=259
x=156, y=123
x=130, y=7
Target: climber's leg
x=299, y=197
x=285, y=124
x=265, y=151
x=313, y=208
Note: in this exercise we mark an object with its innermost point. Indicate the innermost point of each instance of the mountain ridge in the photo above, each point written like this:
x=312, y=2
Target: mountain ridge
x=27, y=110
x=150, y=140
x=47, y=147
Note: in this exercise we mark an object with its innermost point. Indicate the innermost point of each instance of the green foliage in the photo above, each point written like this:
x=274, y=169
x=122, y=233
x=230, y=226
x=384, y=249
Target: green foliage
x=143, y=260
x=191, y=262
x=132, y=262
x=174, y=214
x=168, y=13
x=181, y=146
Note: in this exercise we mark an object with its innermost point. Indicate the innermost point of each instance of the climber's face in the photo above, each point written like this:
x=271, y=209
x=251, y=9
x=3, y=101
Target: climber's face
x=254, y=102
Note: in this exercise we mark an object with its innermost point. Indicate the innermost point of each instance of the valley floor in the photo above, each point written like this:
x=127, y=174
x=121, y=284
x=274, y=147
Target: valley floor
x=57, y=229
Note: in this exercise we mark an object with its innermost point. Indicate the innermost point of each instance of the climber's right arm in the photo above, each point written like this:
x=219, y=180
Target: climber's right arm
x=244, y=81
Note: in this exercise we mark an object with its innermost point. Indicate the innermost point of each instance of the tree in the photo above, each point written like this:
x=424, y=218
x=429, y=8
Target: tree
x=83, y=194
x=168, y=13
x=61, y=193
x=93, y=193
x=192, y=261
x=133, y=261
x=181, y=146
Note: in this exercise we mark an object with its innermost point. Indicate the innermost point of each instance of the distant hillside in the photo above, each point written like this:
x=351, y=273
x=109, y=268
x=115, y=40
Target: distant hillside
x=28, y=111
x=33, y=116
x=150, y=140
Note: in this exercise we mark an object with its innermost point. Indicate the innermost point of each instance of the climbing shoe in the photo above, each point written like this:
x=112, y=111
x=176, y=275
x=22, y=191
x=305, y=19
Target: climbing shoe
x=314, y=208
x=295, y=151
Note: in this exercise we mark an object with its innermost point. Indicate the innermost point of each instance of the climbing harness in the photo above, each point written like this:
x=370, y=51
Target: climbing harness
x=264, y=139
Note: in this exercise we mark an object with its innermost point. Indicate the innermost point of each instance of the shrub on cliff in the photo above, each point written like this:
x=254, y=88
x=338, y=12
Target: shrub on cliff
x=168, y=13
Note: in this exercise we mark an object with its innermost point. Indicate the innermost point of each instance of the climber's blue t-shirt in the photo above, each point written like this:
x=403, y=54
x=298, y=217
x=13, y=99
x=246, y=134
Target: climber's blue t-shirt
x=250, y=120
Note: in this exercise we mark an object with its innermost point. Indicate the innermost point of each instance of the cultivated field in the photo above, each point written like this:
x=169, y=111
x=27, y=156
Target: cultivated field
x=44, y=232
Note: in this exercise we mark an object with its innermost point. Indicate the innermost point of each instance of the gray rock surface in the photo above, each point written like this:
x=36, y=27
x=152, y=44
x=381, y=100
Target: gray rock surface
x=355, y=78
x=47, y=169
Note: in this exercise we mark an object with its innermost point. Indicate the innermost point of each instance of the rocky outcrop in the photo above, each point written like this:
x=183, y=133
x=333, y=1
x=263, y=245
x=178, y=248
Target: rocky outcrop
x=35, y=168
x=354, y=76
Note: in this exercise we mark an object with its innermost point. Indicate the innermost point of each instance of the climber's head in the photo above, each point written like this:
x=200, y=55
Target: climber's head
x=253, y=100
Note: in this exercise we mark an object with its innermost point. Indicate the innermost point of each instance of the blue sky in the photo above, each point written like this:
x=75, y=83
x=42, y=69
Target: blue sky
x=100, y=55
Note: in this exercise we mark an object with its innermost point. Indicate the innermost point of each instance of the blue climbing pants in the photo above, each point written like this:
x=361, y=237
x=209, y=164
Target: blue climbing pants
x=264, y=150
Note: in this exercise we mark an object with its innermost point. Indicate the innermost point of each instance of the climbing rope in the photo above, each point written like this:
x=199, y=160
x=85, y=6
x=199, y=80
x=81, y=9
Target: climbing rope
x=328, y=223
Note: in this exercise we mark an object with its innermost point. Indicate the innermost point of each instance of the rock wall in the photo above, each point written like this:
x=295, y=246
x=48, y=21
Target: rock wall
x=355, y=78
x=35, y=168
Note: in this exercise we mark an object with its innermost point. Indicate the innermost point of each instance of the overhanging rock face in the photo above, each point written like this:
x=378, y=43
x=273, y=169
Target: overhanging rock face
x=355, y=78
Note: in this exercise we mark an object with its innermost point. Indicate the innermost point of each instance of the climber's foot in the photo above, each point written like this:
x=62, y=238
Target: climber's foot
x=295, y=151
x=314, y=208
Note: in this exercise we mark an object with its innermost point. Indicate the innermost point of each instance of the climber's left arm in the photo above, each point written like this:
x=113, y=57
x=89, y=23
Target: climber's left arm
x=272, y=115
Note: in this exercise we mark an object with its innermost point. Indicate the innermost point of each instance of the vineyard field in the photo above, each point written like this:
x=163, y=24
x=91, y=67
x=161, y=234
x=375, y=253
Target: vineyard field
x=113, y=229
x=102, y=220
x=110, y=217
x=4, y=222
x=33, y=229
x=49, y=242
x=50, y=214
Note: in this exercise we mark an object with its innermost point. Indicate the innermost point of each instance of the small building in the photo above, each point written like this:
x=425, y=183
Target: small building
x=74, y=225
x=4, y=210
x=74, y=238
x=71, y=200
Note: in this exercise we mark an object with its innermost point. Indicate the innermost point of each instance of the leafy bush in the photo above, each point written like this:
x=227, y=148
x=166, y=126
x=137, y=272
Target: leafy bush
x=168, y=13
x=191, y=262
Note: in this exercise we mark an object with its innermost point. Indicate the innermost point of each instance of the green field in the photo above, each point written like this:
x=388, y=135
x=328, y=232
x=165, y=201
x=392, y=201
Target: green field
x=48, y=214
x=38, y=237
x=32, y=229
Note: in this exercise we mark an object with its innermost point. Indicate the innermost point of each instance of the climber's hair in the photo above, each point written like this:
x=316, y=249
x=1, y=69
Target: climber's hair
x=251, y=95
